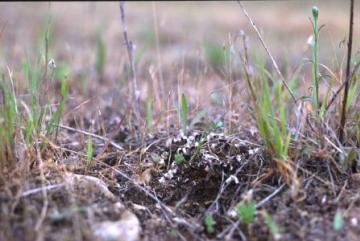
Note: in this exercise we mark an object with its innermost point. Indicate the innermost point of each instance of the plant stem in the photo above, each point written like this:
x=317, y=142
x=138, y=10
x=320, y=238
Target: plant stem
x=315, y=61
x=130, y=50
x=348, y=62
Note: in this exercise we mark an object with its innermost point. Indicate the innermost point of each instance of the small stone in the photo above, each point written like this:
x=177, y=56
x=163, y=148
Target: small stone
x=238, y=158
x=354, y=222
x=127, y=228
x=162, y=180
x=232, y=178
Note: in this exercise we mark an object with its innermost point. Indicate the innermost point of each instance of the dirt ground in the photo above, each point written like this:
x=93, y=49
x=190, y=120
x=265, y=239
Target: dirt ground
x=138, y=171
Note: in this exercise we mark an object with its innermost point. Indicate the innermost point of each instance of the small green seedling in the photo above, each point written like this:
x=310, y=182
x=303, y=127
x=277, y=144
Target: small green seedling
x=179, y=158
x=338, y=222
x=274, y=228
x=209, y=223
x=183, y=112
x=198, y=148
x=90, y=151
x=246, y=211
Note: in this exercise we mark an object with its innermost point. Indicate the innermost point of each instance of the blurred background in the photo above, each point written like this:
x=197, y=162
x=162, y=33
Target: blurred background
x=170, y=37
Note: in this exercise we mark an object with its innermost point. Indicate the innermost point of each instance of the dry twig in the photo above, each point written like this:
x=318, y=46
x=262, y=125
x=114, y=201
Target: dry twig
x=93, y=135
x=347, y=80
x=267, y=51
x=130, y=46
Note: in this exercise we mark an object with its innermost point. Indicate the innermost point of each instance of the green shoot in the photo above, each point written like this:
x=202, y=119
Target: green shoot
x=209, y=223
x=62, y=72
x=179, y=158
x=55, y=118
x=198, y=148
x=8, y=119
x=89, y=151
x=274, y=228
x=246, y=211
x=352, y=93
x=34, y=113
x=100, y=56
x=338, y=222
x=183, y=112
x=214, y=125
x=271, y=124
x=315, y=60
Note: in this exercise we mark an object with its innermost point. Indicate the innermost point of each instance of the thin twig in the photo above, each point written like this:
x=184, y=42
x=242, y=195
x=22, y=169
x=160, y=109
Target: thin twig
x=268, y=52
x=157, y=45
x=39, y=189
x=130, y=46
x=342, y=86
x=245, y=59
x=348, y=62
x=262, y=202
x=107, y=140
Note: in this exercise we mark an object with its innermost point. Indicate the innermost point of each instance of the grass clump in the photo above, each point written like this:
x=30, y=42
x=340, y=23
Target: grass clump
x=8, y=123
x=272, y=123
x=34, y=112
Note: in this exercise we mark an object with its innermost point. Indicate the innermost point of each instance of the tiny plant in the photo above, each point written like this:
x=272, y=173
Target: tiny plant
x=209, y=223
x=179, y=158
x=55, y=118
x=274, y=228
x=315, y=60
x=198, y=147
x=183, y=112
x=89, y=151
x=246, y=211
x=338, y=221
